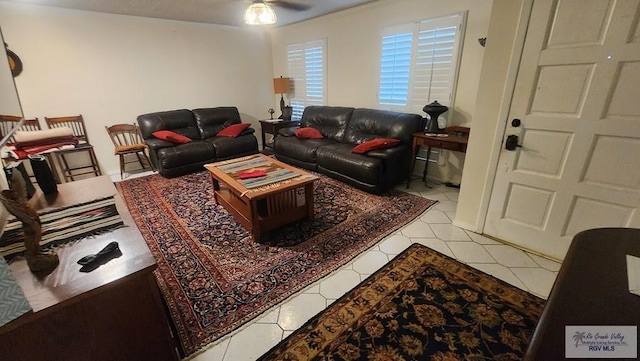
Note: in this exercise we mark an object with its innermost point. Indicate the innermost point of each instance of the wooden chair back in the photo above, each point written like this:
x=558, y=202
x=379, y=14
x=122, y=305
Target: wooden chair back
x=75, y=122
x=123, y=135
x=8, y=122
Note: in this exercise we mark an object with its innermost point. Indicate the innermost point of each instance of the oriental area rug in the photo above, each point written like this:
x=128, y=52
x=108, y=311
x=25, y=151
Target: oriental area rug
x=421, y=306
x=215, y=278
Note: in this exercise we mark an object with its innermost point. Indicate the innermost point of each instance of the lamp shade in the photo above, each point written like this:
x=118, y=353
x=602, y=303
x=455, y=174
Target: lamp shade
x=259, y=13
x=281, y=85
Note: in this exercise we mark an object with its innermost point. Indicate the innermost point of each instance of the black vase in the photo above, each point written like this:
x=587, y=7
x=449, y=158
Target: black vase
x=286, y=113
x=434, y=110
x=43, y=174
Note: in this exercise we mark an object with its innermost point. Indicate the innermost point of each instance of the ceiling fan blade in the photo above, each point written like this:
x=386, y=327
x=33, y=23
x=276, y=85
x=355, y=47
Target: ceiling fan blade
x=289, y=5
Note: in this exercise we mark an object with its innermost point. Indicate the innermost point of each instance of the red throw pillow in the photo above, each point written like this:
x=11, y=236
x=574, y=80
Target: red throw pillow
x=170, y=136
x=233, y=130
x=308, y=133
x=378, y=143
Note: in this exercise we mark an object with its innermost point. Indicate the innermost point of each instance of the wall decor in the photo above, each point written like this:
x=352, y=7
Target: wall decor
x=15, y=64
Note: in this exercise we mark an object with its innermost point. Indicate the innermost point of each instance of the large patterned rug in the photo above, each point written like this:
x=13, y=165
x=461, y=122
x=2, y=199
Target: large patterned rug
x=212, y=274
x=421, y=306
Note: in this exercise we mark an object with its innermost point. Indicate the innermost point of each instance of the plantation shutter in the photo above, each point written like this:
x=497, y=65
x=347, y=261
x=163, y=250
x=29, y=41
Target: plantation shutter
x=395, y=66
x=436, y=61
x=306, y=65
x=419, y=63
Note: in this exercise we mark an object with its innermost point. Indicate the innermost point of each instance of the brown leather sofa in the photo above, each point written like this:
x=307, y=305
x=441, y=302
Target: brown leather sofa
x=201, y=126
x=343, y=128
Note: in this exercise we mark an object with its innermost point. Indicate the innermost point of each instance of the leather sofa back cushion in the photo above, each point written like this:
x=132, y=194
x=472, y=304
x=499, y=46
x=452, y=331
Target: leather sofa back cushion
x=378, y=143
x=180, y=121
x=212, y=120
x=332, y=120
x=233, y=130
x=367, y=124
x=170, y=136
x=308, y=133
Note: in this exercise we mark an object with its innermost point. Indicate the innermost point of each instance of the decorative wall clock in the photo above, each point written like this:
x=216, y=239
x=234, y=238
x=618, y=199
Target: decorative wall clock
x=15, y=64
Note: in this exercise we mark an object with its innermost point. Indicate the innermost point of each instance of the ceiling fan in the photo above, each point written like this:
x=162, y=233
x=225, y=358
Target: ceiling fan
x=261, y=13
x=290, y=5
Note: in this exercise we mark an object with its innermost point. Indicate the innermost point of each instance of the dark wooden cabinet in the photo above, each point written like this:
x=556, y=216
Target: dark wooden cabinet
x=114, y=312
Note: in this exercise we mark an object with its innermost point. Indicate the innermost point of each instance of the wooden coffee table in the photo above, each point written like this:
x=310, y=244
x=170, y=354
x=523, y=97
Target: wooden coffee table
x=262, y=204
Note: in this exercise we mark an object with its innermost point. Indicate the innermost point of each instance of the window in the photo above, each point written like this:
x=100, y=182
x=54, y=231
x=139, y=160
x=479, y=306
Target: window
x=419, y=63
x=306, y=63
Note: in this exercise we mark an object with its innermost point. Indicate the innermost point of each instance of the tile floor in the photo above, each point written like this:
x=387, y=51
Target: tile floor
x=433, y=229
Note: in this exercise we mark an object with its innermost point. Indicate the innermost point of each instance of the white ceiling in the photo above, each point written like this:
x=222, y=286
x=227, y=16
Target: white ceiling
x=223, y=12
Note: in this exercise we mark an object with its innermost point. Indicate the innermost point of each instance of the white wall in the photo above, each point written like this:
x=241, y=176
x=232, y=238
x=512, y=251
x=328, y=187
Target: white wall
x=9, y=102
x=112, y=68
x=353, y=53
x=504, y=45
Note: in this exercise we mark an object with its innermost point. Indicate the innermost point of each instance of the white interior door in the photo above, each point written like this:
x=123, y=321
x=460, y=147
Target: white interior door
x=577, y=95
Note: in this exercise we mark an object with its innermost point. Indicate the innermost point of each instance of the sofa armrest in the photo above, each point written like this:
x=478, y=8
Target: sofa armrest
x=398, y=152
x=247, y=131
x=155, y=143
x=288, y=132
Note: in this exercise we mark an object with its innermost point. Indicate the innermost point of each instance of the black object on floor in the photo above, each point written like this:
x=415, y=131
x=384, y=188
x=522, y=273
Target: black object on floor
x=451, y=185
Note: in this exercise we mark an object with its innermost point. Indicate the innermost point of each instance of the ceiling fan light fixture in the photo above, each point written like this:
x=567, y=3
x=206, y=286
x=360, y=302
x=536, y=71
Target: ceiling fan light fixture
x=259, y=13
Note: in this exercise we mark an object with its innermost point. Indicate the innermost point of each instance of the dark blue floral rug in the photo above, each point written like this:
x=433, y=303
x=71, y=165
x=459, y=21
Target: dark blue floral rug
x=421, y=306
x=215, y=278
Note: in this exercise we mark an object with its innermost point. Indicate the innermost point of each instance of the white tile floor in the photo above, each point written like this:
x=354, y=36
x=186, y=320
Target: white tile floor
x=433, y=229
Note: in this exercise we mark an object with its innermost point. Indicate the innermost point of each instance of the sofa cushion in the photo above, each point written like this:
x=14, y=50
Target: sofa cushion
x=170, y=136
x=367, y=124
x=378, y=143
x=303, y=150
x=187, y=153
x=338, y=158
x=233, y=130
x=308, y=133
x=332, y=120
x=180, y=121
x=228, y=147
x=210, y=121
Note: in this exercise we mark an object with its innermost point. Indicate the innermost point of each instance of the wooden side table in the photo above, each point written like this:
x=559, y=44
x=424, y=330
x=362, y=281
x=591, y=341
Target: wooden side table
x=271, y=126
x=454, y=138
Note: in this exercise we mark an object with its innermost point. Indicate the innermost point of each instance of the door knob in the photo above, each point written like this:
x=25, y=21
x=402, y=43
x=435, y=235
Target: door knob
x=512, y=142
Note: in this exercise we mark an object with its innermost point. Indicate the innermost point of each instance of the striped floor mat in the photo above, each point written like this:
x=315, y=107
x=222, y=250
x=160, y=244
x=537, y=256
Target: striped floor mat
x=63, y=225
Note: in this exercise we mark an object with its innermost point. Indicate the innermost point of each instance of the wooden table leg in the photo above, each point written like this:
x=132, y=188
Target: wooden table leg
x=426, y=164
x=308, y=198
x=255, y=221
x=414, y=151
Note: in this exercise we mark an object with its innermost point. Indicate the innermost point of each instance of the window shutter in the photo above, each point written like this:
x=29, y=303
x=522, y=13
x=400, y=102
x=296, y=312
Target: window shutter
x=436, y=61
x=306, y=65
x=395, y=66
x=419, y=63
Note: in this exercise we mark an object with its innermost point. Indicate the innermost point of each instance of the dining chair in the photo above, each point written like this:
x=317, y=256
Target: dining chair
x=127, y=141
x=8, y=122
x=70, y=170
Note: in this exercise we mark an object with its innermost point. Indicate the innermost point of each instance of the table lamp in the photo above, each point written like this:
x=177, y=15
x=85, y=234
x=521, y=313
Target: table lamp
x=281, y=86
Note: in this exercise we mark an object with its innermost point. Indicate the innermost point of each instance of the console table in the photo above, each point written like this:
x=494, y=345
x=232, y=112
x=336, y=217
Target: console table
x=114, y=312
x=454, y=138
x=271, y=126
x=591, y=289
